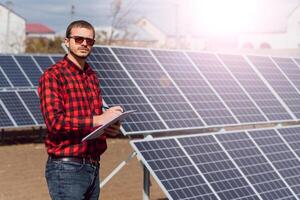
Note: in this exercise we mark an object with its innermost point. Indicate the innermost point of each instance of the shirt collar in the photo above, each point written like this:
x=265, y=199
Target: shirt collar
x=75, y=68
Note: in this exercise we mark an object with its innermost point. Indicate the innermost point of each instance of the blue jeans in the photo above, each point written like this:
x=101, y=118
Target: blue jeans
x=72, y=181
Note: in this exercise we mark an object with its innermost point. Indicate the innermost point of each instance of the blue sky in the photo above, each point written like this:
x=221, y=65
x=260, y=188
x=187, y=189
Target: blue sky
x=56, y=13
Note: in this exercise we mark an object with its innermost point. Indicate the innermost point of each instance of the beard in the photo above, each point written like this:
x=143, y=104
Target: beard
x=77, y=55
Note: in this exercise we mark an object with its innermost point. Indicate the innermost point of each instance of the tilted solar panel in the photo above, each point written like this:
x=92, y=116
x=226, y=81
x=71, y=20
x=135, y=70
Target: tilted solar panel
x=31, y=69
x=32, y=102
x=56, y=58
x=254, y=164
x=280, y=155
x=118, y=89
x=177, y=175
x=292, y=136
x=240, y=103
x=290, y=69
x=201, y=95
x=13, y=72
x=255, y=87
x=4, y=118
x=3, y=79
x=278, y=81
x=16, y=108
x=43, y=61
x=158, y=88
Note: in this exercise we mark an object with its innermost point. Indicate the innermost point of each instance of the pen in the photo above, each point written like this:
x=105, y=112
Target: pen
x=105, y=107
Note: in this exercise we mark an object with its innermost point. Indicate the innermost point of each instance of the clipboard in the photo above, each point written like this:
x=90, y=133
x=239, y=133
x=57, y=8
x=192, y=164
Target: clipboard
x=100, y=130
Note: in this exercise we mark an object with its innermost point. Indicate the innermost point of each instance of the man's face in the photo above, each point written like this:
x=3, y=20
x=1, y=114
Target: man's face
x=80, y=42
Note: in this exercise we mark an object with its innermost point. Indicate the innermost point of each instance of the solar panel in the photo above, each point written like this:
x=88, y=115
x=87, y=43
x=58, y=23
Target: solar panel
x=3, y=80
x=278, y=82
x=255, y=87
x=13, y=72
x=56, y=58
x=32, y=102
x=292, y=136
x=176, y=174
x=280, y=155
x=30, y=68
x=43, y=61
x=206, y=102
x=217, y=168
x=290, y=69
x=16, y=108
x=158, y=88
x=118, y=89
x=240, y=103
x=4, y=118
x=255, y=164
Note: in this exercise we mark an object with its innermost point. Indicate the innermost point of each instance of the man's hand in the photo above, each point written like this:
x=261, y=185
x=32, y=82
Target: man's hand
x=109, y=114
x=113, y=130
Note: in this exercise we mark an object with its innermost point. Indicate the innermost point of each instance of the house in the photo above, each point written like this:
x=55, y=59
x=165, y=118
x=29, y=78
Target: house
x=12, y=31
x=36, y=30
x=169, y=39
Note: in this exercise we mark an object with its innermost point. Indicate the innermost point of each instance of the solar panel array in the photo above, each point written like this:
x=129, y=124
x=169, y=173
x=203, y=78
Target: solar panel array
x=19, y=102
x=180, y=90
x=253, y=164
x=173, y=90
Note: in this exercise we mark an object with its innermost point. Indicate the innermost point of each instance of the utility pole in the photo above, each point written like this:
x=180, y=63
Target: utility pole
x=7, y=42
x=72, y=12
x=177, y=38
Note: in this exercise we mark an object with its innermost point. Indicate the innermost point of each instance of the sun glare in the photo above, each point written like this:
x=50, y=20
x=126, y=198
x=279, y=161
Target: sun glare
x=224, y=16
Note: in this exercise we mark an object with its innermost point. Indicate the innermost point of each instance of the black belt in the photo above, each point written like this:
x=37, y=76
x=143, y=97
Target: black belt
x=76, y=159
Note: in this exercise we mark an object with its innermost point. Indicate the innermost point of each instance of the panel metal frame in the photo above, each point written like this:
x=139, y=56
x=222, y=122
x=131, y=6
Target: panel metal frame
x=246, y=131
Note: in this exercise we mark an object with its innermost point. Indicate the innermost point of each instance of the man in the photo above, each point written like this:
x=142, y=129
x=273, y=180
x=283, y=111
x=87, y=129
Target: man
x=71, y=106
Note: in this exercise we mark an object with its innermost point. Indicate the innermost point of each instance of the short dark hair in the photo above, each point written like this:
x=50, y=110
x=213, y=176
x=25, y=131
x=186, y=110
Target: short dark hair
x=79, y=24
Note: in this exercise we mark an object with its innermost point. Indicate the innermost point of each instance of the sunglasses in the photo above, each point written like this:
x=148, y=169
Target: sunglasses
x=79, y=40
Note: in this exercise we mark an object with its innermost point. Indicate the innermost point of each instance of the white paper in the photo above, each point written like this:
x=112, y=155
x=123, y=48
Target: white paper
x=100, y=130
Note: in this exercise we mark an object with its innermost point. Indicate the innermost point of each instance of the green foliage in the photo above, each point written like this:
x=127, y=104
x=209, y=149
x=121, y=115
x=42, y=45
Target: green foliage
x=44, y=45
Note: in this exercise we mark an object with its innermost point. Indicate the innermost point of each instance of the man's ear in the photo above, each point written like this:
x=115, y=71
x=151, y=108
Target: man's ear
x=67, y=41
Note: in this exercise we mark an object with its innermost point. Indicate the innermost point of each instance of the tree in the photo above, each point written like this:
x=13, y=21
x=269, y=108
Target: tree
x=44, y=45
x=120, y=21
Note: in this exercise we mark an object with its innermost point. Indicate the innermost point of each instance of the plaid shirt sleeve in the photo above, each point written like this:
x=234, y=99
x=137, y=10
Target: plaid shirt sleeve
x=53, y=111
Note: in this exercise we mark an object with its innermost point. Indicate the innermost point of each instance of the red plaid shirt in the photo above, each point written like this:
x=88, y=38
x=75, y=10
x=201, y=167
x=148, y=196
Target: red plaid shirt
x=69, y=98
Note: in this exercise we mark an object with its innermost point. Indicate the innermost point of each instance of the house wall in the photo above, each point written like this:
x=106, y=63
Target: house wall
x=12, y=32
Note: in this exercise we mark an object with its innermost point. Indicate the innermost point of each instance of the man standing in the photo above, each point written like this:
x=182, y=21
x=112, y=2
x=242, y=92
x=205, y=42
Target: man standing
x=71, y=105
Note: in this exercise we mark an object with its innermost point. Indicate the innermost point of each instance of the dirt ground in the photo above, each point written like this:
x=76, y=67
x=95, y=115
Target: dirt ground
x=22, y=173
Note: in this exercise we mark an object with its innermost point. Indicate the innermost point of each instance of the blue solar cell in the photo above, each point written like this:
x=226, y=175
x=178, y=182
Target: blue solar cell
x=292, y=136
x=278, y=82
x=30, y=68
x=283, y=159
x=118, y=89
x=32, y=102
x=43, y=61
x=16, y=108
x=290, y=69
x=191, y=83
x=3, y=81
x=172, y=168
x=57, y=58
x=4, y=119
x=255, y=166
x=217, y=168
x=13, y=72
x=159, y=89
x=232, y=94
x=255, y=87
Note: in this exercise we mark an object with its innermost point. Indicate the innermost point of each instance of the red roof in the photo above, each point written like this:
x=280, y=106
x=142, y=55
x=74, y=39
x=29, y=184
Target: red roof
x=38, y=28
